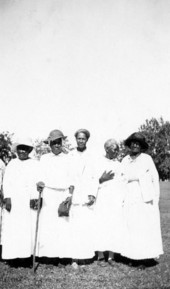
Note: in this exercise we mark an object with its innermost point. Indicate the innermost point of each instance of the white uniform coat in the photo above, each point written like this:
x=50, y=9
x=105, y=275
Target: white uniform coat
x=81, y=216
x=142, y=235
x=18, y=230
x=109, y=209
x=54, y=230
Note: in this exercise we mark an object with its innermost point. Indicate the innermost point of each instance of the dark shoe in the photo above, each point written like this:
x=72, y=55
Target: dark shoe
x=111, y=262
x=75, y=266
x=141, y=267
x=150, y=262
x=60, y=265
x=101, y=262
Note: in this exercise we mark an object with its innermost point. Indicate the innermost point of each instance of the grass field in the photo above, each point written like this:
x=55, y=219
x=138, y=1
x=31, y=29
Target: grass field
x=91, y=276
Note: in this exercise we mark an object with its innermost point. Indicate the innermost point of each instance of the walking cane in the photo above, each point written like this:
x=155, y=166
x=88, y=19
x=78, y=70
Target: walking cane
x=40, y=187
x=1, y=208
x=1, y=213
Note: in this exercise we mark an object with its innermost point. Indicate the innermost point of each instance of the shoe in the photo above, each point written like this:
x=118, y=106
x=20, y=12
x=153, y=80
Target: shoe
x=111, y=262
x=141, y=267
x=75, y=265
x=101, y=262
x=60, y=265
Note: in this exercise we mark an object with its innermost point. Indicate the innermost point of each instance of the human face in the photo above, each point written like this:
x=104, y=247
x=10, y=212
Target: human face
x=56, y=146
x=23, y=152
x=111, y=153
x=81, y=141
x=135, y=148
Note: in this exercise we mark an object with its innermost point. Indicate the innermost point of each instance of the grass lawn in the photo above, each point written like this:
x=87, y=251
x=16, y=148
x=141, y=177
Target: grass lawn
x=93, y=276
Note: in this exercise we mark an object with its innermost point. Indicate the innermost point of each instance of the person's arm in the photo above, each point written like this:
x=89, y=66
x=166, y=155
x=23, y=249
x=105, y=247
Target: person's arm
x=155, y=181
x=34, y=202
x=71, y=190
x=8, y=179
x=149, y=181
x=106, y=176
x=2, y=171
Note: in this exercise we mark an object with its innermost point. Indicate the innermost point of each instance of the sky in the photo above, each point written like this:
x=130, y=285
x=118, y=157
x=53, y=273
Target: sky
x=103, y=65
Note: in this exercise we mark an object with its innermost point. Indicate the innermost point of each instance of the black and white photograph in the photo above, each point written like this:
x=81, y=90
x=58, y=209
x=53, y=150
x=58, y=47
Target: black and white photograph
x=85, y=144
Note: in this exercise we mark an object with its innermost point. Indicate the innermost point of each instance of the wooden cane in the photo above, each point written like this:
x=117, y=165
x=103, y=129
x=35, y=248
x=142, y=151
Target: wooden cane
x=40, y=187
x=1, y=213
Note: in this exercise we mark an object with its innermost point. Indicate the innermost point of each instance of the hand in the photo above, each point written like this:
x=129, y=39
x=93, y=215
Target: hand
x=8, y=205
x=91, y=200
x=40, y=187
x=34, y=203
x=106, y=176
x=150, y=202
x=71, y=189
x=1, y=199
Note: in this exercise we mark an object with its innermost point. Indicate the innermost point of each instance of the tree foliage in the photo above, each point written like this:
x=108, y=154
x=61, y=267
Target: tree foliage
x=157, y=133
x=40, y=148
x=5, y=146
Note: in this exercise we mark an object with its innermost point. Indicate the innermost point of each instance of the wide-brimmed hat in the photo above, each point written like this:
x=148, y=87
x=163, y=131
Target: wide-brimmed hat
x=53, y=135
x=23, y=141
x=137, y=136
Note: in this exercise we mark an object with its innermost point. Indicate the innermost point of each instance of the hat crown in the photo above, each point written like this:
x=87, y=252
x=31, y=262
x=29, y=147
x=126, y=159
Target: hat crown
x=82, y=130
x=56, y=133
x=24, y=141
x=137, y=136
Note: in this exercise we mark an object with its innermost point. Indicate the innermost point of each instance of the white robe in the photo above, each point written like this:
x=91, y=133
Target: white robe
x=142, y=235
x=17, y=228
x=54, y=230
x=109, y=209
x=81, y=216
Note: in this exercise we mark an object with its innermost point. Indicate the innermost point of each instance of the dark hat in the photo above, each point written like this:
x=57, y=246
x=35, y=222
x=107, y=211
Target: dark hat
x=82, y=130
x=137, y=136
x=54, y=134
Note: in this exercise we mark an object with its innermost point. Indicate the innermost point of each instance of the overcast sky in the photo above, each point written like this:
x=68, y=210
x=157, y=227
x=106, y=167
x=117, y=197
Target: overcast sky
x=103, y=65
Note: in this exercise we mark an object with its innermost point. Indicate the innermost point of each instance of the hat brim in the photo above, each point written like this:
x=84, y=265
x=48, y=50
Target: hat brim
x=48, y=140
x=30, y=148
x=143, y=144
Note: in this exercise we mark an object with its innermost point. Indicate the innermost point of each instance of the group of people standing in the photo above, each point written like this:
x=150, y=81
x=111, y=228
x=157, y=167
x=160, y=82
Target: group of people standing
x=114, y=205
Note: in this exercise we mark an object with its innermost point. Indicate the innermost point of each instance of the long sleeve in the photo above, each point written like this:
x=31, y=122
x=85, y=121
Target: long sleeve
x=2, y=171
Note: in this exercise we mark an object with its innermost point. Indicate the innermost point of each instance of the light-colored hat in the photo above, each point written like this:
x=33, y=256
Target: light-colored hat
x=23, y=141
x=54, y=134
x=82, y=130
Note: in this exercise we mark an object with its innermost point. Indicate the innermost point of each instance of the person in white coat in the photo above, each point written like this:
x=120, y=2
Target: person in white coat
x=81, y=213
x=109, y=205
x=53, y=241
x=19, y=187
x=142, y=235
